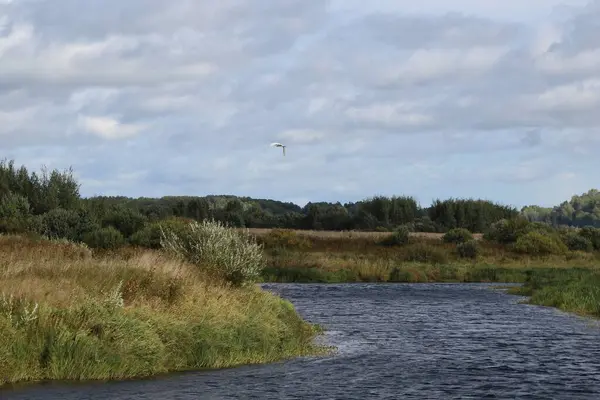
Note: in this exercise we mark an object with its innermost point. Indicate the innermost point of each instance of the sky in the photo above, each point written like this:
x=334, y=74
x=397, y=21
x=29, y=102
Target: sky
x=497, y=100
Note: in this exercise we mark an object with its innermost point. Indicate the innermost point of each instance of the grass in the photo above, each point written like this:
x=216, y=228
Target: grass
x=67, y=314
x=351, y=234
x=575, y=290
x=334, y=257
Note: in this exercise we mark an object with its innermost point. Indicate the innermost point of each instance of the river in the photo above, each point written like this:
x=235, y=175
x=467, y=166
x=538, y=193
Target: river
x=396, y=341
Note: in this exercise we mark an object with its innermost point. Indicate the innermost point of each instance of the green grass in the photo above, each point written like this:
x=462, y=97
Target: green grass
x=68, y=315
x=574, y=290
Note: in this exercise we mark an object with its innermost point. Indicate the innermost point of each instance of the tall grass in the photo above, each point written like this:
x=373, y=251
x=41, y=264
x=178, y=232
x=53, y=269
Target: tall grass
x=295, y=257
x=574, y=290
x=66, y=313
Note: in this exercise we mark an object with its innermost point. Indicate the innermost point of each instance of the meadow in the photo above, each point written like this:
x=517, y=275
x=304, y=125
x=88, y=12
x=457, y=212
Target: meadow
x=336, y=257
x=70, y=313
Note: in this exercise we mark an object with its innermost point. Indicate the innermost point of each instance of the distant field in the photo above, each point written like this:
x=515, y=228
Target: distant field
x=354, y=234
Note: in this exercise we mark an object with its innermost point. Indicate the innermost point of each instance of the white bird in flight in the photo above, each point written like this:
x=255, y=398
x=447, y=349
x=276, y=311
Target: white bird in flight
x=279, y=145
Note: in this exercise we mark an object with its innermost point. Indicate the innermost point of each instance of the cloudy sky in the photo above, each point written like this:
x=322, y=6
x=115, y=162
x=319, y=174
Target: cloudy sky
x=495, y=99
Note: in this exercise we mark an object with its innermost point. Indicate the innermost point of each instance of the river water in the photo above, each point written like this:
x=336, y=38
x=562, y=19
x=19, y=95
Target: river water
x=397, y=341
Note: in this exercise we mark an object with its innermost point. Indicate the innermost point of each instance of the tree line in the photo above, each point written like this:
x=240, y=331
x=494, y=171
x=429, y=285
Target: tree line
x=582, y=210
x=50, y=203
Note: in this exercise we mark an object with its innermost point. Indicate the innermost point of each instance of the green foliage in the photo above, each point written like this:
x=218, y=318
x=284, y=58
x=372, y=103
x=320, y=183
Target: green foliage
x=474, y=215
x=538, y=244
x=150, y=236
x=425, y=253
x=592, y=234
x=507, y=231
x=458, y=235
x=61, y=223
x=400, y=237
x=232, y=255
x=125, y=220
x=15, y=214
x=468, y=249
x=577, y=242
x=44, y=192
x=425, y=224
x=105, y=238
x=579, y=211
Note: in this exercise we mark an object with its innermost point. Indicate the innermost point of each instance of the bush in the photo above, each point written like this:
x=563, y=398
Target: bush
x=61, y=223
x=538, y=244
x=425, y=253
x=576, y=242
x=150, y=236
x=398, y=238
x=105, y=239
x=458, y=235
x=507, y=231
x=425, y=224
x=468, y=249
x=125, y=220
x=592, y=234
x=230, y=254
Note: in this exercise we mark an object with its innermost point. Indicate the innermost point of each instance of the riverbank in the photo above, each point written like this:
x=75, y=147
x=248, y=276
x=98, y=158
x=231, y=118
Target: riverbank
x=575, y=290
x=351, y=257
x=67, y=314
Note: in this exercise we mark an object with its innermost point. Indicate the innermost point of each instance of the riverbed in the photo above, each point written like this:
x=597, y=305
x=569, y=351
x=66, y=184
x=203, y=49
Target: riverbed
x=422, y=341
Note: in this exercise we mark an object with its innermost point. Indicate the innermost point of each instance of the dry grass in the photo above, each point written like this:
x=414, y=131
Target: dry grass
x=330, y=257
x=157, y=315
x=353, y=234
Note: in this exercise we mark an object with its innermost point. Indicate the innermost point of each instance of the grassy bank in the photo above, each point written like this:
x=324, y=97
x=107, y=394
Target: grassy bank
x=68, y=314
x=328, y=257
x=575, y=290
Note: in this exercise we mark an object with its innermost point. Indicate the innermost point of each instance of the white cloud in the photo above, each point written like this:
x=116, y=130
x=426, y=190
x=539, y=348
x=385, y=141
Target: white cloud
x=574, y=96
x=398, y=115
x=109, y=128
x=301, y=136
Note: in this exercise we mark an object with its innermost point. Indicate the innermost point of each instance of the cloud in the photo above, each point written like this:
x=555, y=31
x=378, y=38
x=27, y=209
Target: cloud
x=301, y=136
x=108, y=128
x=432, y=99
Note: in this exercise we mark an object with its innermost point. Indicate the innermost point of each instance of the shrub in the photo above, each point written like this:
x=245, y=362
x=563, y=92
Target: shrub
x=398, y=238
x=230, y=254
x=425, y=253
x=538, y=244
x=105, y=238
x=507, y=231
x=592, y=234
x=458, y=235
x=468, y=249
x=576, y=242
x=124, y=219
x=61, y=223
x=150, y=236
x=425, y=224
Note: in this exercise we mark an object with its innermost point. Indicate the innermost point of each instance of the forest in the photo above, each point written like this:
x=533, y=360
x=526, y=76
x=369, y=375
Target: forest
x=49, y=203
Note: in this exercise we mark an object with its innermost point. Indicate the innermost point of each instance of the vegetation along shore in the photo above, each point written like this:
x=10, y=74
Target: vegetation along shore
x=114, y=287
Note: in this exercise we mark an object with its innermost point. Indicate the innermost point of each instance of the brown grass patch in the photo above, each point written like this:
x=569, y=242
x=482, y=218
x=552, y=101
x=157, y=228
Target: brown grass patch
x=353, y=234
